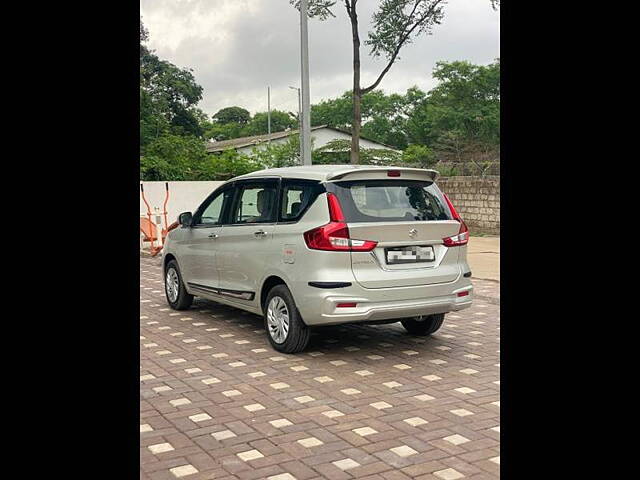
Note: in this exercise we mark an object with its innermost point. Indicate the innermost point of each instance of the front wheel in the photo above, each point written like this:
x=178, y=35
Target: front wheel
x=286, y=331
x=177, y=296
x=425, y=325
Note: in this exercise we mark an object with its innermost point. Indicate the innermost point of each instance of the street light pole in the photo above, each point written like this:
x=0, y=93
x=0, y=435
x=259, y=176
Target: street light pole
x=299, y=123
x=305, y=134
x=269, y=111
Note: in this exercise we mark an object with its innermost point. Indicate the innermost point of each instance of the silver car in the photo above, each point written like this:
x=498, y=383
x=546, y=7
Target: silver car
x=324, y=245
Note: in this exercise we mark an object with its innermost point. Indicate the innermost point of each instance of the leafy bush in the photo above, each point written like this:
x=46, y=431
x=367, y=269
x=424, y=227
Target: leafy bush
x=337, y=152
x=419, y=156
x=446, y=170
x=276, y=155
x=227, y=165
x=172, y=157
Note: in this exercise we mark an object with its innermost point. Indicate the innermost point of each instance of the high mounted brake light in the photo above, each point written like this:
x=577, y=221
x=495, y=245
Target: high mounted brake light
x=462, y=238
x=334, y=236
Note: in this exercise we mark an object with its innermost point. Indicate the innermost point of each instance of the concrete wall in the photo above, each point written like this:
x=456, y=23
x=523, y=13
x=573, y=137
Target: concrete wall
x=476, y=199
x=183, y=197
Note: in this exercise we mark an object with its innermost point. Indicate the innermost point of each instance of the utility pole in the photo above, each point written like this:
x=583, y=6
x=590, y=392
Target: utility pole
x=299, y=123
x=269, y=111
x=305, y=134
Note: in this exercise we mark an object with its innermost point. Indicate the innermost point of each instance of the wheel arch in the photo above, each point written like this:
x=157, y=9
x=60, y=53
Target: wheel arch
x=269, y=282
x=166, y=259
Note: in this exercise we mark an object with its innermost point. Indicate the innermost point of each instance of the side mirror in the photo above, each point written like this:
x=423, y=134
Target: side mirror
x=185, y=219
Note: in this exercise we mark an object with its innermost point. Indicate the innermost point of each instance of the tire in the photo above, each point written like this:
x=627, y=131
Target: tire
x=424, y=327
x=181, y=301
x=280, y=309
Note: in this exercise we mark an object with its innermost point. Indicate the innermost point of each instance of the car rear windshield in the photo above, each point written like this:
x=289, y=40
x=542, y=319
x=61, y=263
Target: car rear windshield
x=391, y=201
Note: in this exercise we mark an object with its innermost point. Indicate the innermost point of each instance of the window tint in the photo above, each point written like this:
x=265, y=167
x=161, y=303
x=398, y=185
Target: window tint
x=391, y=200
x=256, y=203
x=297, y=197
x=213, y=212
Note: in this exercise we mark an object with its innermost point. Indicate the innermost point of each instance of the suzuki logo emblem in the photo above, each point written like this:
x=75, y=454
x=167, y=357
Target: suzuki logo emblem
x=413, y=232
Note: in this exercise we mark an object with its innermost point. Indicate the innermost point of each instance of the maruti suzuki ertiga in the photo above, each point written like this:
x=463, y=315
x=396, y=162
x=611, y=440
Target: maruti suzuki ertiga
x=324, y=245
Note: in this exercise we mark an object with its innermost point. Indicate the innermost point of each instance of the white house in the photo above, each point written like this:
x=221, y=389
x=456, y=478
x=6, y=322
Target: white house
x=320, y=136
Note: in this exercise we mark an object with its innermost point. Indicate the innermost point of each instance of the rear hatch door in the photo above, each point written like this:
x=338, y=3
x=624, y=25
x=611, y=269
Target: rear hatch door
x=408, y=219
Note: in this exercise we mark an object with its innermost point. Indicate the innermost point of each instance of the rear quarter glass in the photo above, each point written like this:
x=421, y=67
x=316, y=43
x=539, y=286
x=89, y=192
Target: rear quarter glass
x=391, y=201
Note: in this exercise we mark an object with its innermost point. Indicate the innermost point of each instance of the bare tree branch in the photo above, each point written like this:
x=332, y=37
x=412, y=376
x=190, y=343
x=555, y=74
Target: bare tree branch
x=403, y=38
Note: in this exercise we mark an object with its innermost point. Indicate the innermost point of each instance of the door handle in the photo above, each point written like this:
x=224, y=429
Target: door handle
x=260, y=233
x=213, y=235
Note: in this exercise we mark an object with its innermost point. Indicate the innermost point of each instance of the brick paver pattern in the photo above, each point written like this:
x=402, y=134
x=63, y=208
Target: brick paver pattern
x=217, y=402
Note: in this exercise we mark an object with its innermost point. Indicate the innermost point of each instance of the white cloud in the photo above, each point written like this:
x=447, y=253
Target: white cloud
x=238, y=47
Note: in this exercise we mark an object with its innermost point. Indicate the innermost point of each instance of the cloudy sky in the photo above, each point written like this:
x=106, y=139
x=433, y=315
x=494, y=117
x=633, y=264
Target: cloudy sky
x=238, y=47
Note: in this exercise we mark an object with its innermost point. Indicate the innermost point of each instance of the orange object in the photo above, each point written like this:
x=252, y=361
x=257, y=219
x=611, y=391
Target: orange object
x=153, y=236
x=174, y=225
x=164, y=208
x=148, y=229
x=150, y=232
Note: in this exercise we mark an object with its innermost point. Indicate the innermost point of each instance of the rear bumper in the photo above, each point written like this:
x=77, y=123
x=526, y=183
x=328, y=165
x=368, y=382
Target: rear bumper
x=319, y=306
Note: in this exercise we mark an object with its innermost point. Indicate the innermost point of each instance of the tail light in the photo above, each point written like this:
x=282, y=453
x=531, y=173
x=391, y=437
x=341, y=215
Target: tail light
x=334, y=236
x=462, y=238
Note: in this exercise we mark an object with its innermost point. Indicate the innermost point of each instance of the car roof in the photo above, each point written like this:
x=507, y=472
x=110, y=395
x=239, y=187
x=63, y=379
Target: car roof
x=325, y=173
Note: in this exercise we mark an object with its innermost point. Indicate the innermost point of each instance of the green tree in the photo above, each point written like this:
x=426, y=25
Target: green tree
x=419, y=156
x=384, y=116
x=395, y=24
x=236, y=115
x=335, y=112
x=275, y=155
x=226, y=165
x=223, y=131
x=338, y=152
x=461, y=112
x=168, y=96
x=173, y=157
x=280, y=121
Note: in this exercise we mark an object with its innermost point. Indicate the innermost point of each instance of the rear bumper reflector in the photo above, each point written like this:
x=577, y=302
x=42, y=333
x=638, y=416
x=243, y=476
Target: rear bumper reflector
x=330, y=284
x=346, y=305
x=463, y=294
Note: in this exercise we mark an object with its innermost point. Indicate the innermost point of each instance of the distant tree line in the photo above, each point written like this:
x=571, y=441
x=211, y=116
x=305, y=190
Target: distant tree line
x=457, y=121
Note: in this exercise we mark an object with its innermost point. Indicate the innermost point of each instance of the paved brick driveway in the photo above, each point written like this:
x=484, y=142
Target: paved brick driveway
x=366, y=402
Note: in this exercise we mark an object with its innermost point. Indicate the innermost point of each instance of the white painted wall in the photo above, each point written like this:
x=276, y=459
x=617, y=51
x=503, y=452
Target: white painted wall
x=319, y=138
x=183, y=197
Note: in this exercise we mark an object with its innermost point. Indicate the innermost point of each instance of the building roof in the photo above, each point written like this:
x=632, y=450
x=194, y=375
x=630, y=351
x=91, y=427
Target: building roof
x=325, y=173
x=236, y=143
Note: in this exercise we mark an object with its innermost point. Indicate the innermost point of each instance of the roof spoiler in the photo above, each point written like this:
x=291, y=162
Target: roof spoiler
x=370, y=173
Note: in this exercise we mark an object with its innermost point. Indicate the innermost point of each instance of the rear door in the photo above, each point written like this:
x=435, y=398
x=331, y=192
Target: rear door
x=244, y=245
x=408, y=219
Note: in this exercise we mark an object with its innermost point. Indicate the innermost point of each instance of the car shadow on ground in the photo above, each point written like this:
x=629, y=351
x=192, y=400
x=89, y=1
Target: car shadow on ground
x=346, y=340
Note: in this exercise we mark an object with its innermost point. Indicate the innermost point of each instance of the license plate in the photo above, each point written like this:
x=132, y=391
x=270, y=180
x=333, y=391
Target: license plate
x=410, y=254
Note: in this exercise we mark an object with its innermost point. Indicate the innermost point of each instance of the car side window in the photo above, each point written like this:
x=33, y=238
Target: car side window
x=213, y=212
x=296, y=197
x=255, y=203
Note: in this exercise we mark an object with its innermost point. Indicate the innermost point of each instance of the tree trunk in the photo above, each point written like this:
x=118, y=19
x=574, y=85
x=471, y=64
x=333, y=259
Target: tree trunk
x=357, y=94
